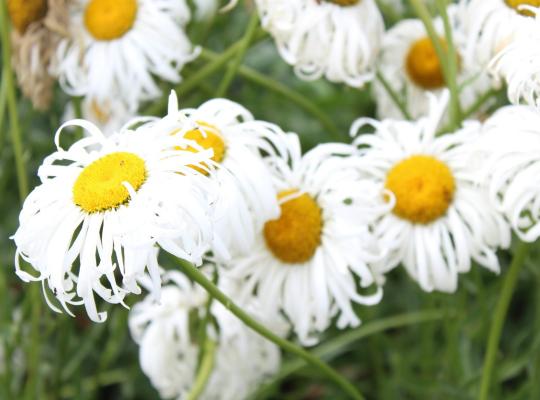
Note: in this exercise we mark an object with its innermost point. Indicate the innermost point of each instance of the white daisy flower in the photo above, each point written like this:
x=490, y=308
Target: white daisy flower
x=121, y=46
x=519, y=64
x=441, y=219
x=103, y=205
x=170, y=347
x=307, y=261
x=491, y=24
x=338, y=39
x=409, y=63
x=247, y=196
x=512, y=139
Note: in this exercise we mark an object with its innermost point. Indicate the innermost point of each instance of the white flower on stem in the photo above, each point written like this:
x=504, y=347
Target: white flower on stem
x=409, y=63
x=490, y=25
x=511, y=138
x=247, y=197
x=338, y=39
x=121, y=46
x=441, y=219
x=102, y=207
x=518, y=64
x=307, y=262
x=169, y=337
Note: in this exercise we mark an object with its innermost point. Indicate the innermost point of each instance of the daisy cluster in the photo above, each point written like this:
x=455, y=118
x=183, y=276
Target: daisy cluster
x=300, y=240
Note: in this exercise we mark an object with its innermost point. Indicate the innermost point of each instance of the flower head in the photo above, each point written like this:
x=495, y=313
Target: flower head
x=307, y=261
x=439, y=220
x=247, y=196
x=410, y=64
x=518, y=64
x=119, y=47
x=491, y=25
x=170, y=347
x=102, y=207
x=335, y=39
x=511, y=142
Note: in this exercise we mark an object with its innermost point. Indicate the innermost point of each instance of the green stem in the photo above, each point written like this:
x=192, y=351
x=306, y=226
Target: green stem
x=499, y=316
x=205, y=369
x=423, y=13
x=197, y=276
x=341, y=343
x=3, y=99
x=87, y=345
x=480, y=101
x=15, y=129
x=237, y=61
x=34, y=349
x=107, y=378
x=193, y=81
x=448, y=64
x=283, y=90
x=5, y=320
x=203, y=329
x=452, y=62
x=394, y=96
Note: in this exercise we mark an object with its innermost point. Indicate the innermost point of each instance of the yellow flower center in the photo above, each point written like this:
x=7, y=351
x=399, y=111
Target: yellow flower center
x=209, y=139
x=109, y=20
x=344, y=3
x=23, y=12
x=516, y=3
x=423, y=65
x=100, y=185
x=296, y=234
x=423, y=186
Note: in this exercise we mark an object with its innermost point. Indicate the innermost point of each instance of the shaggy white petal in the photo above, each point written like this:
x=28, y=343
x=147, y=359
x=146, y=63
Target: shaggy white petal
x=155, y=46
x=81, y=253
x=323, y=39
x=169, y=349
x=511, y=142
x=312, y=293
x=518, y=64
x=434, y=253
x=395, y=48
x=489, y=27
x=247, y=197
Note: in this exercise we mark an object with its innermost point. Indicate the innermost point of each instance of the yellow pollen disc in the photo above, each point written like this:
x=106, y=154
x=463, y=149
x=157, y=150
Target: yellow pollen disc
x=23, y=12
x=423, y=186
x=423, y=65
x=108, y=19
x=344, y=3
x=516, y=3
x=296, y=234
x=100, y=187
x=209, y=139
